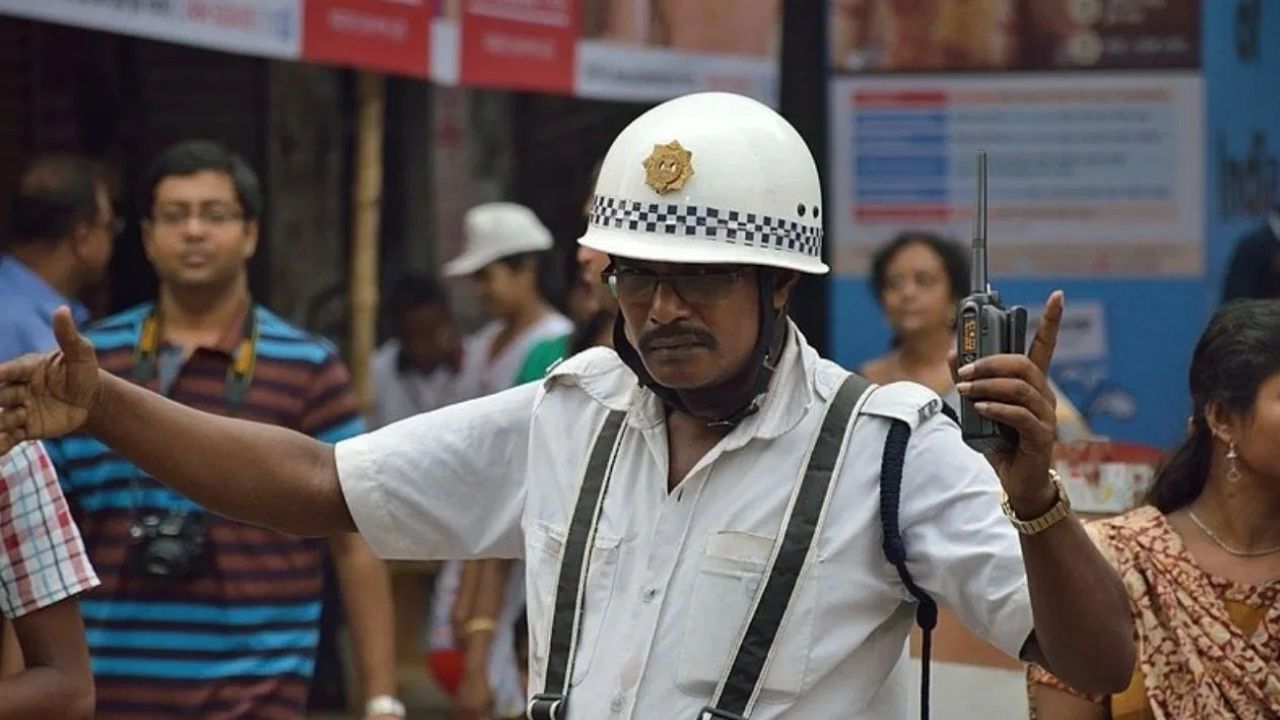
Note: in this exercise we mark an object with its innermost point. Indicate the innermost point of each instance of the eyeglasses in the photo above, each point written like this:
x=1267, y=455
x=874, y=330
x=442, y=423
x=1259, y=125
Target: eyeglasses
x=698, y=288
x=213, y=216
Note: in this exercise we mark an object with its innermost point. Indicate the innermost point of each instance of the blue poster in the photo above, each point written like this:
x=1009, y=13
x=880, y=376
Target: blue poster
x=1135, y=387
x=1242, y=95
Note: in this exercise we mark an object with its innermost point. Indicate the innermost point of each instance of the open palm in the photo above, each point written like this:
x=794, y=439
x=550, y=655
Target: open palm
x=44, y=396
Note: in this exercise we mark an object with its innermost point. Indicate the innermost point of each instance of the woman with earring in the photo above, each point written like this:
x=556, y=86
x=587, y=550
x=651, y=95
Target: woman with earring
x=1201, y=563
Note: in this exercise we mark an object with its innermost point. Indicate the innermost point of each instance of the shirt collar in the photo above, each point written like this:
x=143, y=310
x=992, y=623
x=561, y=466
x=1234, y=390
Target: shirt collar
x=23, y=281
x=227, y=343
x=790, y=395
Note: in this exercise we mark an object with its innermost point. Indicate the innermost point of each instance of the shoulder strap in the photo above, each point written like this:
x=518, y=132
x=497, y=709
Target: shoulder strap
x=895, y=549
x=552, y=703
x=739, y=688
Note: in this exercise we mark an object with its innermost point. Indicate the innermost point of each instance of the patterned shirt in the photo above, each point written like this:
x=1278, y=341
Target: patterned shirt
x=237, y=638
x=42, y=560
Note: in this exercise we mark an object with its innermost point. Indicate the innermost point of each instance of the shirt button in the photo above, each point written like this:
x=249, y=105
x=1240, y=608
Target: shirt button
x=617, y=703
x=649, y=594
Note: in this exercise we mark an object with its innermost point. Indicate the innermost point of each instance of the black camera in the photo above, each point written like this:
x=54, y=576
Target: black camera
x=984, y=328
x=169, y=545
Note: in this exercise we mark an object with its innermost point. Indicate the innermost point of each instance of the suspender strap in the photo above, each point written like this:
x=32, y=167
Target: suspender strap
x=552, y=703
x=740, y=687
x=895, y=549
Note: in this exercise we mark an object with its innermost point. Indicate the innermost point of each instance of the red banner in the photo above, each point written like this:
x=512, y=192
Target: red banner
x=520, y=44
x=386, y=35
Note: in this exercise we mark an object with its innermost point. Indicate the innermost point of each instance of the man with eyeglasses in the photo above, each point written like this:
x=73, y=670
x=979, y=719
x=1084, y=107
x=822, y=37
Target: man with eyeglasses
x=198, y=615
x=62, y=232
x=700, y=509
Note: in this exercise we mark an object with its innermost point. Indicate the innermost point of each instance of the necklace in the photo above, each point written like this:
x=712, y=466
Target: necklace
x=1233, y=550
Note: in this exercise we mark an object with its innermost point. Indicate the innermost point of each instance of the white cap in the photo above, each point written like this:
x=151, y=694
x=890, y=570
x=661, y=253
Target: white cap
x=497, y=230
x=710, y=178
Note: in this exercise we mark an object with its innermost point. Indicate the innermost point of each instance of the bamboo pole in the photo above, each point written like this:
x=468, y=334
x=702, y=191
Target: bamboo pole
x=367, y=204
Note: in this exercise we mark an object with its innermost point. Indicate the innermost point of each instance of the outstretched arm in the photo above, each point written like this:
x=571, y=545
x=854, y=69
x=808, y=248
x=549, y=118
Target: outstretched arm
x=248, y=471
x=446, y=484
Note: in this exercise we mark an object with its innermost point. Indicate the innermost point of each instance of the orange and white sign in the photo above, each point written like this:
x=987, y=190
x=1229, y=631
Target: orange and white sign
x=519, y=44
x=387, y=35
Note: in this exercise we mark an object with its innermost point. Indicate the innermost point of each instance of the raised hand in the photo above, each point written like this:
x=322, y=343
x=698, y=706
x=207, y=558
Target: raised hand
x=1014, y=390
x=44, y=396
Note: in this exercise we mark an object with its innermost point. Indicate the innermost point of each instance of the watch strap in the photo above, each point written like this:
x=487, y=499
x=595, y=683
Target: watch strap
x=1054, y=515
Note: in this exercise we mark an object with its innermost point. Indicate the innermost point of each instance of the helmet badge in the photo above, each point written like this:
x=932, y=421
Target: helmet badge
x=668, y=167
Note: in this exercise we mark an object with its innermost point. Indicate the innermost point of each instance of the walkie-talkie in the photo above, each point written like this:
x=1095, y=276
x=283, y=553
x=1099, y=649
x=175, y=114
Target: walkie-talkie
x=986, y=328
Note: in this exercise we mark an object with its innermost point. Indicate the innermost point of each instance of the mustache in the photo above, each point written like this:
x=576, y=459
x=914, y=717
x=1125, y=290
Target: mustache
x=677, y=334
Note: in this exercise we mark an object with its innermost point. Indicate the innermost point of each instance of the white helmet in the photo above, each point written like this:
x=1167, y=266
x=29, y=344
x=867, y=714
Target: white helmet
x=496, y=230
x=710, y=178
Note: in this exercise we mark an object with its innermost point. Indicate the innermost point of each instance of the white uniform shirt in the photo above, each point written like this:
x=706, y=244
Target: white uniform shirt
x=673, y=574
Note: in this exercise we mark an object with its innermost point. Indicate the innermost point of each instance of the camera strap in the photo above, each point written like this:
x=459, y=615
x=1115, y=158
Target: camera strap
x=239, y=374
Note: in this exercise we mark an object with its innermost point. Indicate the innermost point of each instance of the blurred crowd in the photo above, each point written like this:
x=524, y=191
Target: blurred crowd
x=1203, y=581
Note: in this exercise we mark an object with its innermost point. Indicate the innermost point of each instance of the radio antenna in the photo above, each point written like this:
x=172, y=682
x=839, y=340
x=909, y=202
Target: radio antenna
x=979, y=269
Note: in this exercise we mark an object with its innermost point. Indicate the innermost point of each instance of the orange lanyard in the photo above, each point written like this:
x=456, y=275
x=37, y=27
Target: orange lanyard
x=239, y=375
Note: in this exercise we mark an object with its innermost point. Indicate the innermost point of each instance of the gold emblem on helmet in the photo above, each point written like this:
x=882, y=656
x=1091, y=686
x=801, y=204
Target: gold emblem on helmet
x=668, y=167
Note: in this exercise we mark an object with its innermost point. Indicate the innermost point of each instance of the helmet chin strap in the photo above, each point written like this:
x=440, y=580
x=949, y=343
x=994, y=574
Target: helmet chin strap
x=770, y=343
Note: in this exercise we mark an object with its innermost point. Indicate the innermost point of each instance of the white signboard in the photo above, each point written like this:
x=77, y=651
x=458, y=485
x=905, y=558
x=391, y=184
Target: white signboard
x=266, y=28
x=616, y=71
x=1089, y=174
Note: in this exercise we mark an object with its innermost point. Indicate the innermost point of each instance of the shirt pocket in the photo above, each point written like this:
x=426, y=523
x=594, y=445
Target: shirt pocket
x=546, y=548
x=730, y=572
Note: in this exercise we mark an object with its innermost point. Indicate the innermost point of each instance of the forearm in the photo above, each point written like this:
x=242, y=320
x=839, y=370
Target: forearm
x=366, y=595
x=1083, y=627
x=464, y=601
x=486, y=608
x=58, y=682
x=46, y=693
x=249, y=471
x=10, y=657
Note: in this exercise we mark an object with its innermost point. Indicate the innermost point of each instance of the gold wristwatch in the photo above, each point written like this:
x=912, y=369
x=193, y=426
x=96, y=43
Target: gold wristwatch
x=1060, y=510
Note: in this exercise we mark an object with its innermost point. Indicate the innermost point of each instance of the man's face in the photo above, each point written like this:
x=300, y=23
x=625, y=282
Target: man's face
x=695, y=326
x=95, y=244
x=427, y=336
x=197, y=236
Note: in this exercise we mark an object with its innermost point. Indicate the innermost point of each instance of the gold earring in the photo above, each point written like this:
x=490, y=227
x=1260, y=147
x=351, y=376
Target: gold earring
x=1233, y=470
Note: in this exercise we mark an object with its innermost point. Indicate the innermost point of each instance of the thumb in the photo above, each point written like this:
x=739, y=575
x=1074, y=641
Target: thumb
x=75, y=347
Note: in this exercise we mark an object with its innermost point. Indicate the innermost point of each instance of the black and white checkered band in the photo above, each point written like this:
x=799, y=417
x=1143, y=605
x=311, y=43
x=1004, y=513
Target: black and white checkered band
x=732, y=227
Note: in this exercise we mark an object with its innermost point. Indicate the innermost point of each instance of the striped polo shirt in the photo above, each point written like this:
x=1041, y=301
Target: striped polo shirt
x=238, y=638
